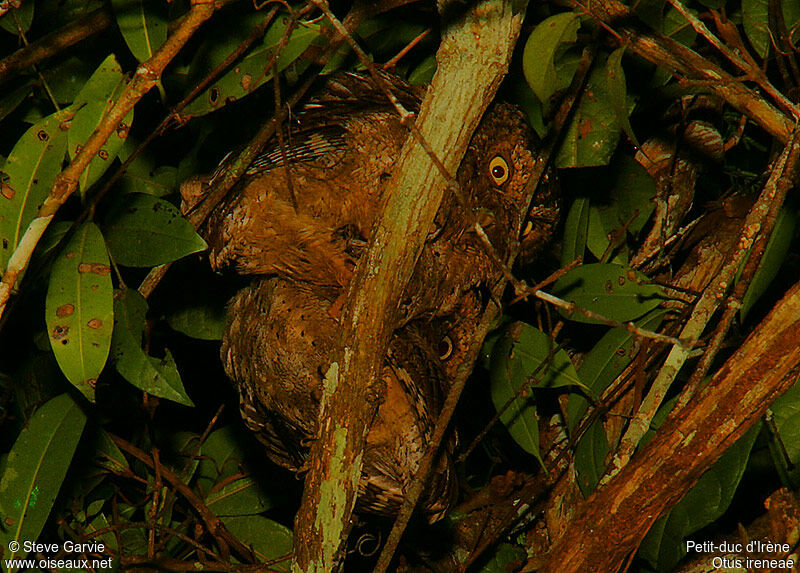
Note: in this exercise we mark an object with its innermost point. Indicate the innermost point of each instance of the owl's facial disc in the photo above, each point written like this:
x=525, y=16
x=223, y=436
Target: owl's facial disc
x=499, y=170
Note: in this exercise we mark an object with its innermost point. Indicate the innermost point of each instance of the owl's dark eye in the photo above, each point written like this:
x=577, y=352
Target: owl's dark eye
x=445, y=348
x=498, y=169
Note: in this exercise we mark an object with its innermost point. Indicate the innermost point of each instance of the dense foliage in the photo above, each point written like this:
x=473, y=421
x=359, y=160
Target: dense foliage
x=117, y=424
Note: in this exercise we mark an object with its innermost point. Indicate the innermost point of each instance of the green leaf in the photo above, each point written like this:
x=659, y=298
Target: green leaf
x=507, y=557
x=17, y=19
x=614, y=291
x=269, y=539
x=203, y=321
x=79, y=308
x=252, y=71
x=243, y=496
x=618, y=91
x=515, y=357
x=774, y=255
x=144, y=231
x=604, y=362
x=142, y=25
x=710, y=497
x=786, y=418
x=755, y=18
x=423, y=73
x=592, y=134
x=155, y=376
x=10, y=100
x=90, y=105
x=575, y=229
x=31, y=168
x=590, y=457
x=543, y=47
x=222, y=457
x=35, y=469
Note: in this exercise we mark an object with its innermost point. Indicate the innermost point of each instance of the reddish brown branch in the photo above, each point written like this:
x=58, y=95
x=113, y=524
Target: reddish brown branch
x=54, y=43
x=691, y=440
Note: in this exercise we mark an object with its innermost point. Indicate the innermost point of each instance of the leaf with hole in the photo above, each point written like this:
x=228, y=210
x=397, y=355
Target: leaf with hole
x=144, y=231
x=254, y=69
x=94, y=100
x=591, y=136
x=614, y=291
x=79, y=308
x=35, y=469
x=31, y=169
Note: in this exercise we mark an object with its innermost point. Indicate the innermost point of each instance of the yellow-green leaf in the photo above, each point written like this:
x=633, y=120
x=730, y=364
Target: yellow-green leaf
x=34, y=471
x=31, y=169
x=144, y=231
x=79, y=308
x=142, y=25
x=90, y=105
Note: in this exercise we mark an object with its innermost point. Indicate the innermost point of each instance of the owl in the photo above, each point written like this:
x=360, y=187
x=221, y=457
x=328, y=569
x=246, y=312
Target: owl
x=298, y=229
x=277, y=349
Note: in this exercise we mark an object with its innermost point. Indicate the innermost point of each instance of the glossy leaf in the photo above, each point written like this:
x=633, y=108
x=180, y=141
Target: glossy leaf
x=786, y=441
x=591, y=137
x=575, y=230
x=614, y=291
x=10, y=100
x=423, y=73
x=243, y=496
x=222, y=457
x=35, y=469
x=202, y=321
x=755, y=19
x=515, y=357
x=269, y=539
x=79, y=308
x=506, y=557
x=155, y=376
x=144, y=231
x=31, y=168
x=142, y=26
x=252, y=71
x=618, y=92
x=604, y=362
x=90, y=105
x=774, y=255
x=17, y=19
x=545, y=44
x=710, y=497
x=590, y=457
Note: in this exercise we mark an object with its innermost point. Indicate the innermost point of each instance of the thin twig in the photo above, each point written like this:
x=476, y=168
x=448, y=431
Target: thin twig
x=146, y=77
x=704, y=309
x=571, y=307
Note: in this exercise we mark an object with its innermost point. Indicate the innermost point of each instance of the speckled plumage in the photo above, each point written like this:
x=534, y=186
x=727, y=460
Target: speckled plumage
x=302, y=244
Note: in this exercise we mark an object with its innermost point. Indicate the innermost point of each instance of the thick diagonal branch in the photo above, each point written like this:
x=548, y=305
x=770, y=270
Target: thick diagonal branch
x=470, y=67
x=691, y=440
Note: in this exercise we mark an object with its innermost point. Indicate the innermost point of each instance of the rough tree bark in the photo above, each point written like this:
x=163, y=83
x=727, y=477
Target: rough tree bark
x=477, y=43
x=611, y=523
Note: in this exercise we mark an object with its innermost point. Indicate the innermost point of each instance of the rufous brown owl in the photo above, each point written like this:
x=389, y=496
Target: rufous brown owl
x=299, y=230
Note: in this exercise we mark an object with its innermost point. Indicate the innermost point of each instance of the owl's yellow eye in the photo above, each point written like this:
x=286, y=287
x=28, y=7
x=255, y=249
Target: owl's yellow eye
x=498, y=169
